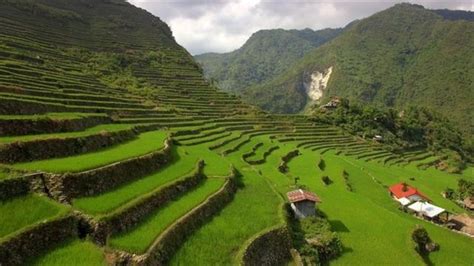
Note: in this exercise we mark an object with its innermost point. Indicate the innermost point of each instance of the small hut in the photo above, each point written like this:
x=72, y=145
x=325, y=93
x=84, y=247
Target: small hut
x=303, y=203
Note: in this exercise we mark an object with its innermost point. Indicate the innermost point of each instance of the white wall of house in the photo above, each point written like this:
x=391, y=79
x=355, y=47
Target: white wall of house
x=303, y=209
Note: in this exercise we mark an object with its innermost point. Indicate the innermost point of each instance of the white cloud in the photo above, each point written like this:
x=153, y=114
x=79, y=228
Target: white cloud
x=222, y=26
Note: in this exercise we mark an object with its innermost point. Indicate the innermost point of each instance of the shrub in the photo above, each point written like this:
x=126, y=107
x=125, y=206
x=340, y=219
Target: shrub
x=345, y=176
x=326, y=180
x=449, y=193
x=322, y=164
x=423, y=243
x=318, y=235
x=466, y=188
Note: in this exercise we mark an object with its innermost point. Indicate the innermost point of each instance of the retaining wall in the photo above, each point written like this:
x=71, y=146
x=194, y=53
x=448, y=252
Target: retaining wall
x=170, y=241
x=63, y=187
x=12, y=187
x=16, y=127
x=60, y=147
x=19, y=248
x=129, y=216
x=269, y=248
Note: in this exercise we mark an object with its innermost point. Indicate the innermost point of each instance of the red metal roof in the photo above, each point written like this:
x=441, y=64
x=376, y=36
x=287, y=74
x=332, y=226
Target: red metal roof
x=301, y=195
x=398, y=191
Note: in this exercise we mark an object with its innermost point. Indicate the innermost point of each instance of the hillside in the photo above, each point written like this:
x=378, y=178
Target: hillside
x=405, y=55
x=266, y=54
x=115, y=150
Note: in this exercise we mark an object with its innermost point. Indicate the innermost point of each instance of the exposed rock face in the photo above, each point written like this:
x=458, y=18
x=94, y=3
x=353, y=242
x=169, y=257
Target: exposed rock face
x=317, y=84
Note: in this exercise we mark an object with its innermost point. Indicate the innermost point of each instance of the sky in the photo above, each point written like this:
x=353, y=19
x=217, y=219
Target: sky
x=224, y=25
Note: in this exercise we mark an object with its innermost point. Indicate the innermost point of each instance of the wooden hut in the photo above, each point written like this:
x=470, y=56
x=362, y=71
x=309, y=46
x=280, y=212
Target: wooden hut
x=303, y=203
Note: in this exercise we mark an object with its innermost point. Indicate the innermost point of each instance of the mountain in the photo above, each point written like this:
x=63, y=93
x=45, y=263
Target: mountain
x=405, y=55
x=266, y=54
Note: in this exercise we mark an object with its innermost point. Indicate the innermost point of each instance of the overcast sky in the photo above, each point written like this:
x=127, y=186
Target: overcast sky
x=224, y=25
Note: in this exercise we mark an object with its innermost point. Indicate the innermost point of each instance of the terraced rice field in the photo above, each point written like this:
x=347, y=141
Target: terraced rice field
x=128, y=185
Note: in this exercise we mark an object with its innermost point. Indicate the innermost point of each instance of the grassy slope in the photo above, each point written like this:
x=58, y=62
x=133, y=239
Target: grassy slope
x=74, y=252
x=180, y=166
x=145, y=143
x=21, y=212
x=351, y=213
x=139, y=239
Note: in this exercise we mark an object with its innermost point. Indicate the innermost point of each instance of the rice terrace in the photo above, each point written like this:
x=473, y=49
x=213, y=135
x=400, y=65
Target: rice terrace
x=341, y=146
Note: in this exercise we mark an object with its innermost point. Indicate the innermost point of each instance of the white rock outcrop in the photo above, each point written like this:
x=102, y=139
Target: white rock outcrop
x=317, y=84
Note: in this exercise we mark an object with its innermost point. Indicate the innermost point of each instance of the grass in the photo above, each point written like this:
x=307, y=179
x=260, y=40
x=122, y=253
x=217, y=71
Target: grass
x=21, y=212
x=139, y=239
x=74, y=252
x=145, y=143
x=181, y=165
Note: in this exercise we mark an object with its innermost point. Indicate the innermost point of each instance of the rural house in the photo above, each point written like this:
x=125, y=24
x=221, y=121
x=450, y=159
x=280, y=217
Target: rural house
x=332, y=104
x=427, y=210
x=406, y=194
x=303, y=203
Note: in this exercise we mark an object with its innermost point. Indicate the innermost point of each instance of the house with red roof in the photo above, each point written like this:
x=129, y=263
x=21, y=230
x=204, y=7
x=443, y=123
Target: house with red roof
x=406, y=194
x=303, y=203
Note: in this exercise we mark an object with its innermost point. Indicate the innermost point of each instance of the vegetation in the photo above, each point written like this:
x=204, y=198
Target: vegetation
x=423, y=243
x=315, y=241
x=413, y=128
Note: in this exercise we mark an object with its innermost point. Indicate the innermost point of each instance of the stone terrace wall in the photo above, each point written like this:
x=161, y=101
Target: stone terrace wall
x=128, y=217
x=60, y=147
x=12, y=187
x=269, y=248
x=17, y=249
x=43, y=126
x=63, y=187
x=170, y=241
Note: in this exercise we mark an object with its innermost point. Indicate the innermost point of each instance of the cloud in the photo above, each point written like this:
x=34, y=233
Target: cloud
x=223, y=26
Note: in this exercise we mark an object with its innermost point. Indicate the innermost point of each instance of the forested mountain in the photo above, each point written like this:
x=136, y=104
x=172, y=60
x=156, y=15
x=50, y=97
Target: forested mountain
x=405, y=55
x=266, y=54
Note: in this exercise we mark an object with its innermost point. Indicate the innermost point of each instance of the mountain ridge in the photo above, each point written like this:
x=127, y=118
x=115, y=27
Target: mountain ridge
x=428, y=63
x=259, y=59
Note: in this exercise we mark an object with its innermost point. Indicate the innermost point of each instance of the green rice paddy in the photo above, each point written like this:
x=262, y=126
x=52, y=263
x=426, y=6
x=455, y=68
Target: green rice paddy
x=140, y=238
x=143, y=144
x=21, y=212
x=74, y=252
